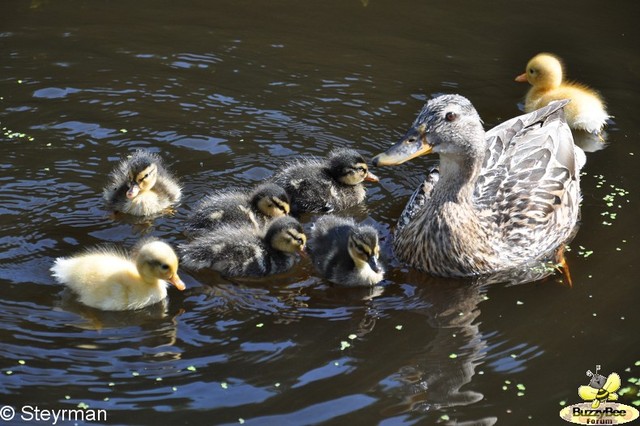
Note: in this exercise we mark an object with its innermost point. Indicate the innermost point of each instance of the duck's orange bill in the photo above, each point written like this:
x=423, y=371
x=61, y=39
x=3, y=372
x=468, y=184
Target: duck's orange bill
x=413, y=144
x=522, y=78
x=370, y=177
x=177, y=282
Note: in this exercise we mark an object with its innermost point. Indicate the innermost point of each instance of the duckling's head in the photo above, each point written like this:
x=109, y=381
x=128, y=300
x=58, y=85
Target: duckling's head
x=156, y=260
x=349, y=167
x=286, y=234
x=142, y=173
x=544, y=71
x=447, y=124
x=364, y=248
x=271, y=200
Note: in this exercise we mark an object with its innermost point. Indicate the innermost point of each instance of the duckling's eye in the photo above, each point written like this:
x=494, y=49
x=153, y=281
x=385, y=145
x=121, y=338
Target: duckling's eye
x=362, y=169
x=164, y=267
x=450, y=116
x=531, y=71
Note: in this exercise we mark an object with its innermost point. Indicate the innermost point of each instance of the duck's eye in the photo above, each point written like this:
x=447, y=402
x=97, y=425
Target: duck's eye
x=164, y=267
x=362, y=170
x=451, y=116
x=531, y=71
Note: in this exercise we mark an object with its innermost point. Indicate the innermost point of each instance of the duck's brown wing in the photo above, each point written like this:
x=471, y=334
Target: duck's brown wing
x=530, y=182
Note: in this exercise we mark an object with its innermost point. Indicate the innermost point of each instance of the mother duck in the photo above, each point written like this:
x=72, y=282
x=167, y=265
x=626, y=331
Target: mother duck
x=506, y=199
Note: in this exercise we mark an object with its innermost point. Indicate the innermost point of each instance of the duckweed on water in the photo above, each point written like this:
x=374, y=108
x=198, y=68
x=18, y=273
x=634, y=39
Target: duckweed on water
x=10, y=134
x=520, y=388
x=584, y=252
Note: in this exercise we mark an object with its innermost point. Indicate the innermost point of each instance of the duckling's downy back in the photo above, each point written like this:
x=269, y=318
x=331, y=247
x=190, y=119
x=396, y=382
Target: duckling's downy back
x=242, y=251
x=325, y=185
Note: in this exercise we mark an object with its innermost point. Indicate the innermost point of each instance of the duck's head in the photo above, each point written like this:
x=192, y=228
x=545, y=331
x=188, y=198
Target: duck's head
x=142, y=173
x=156, y=260
x=271, y=200
x=348, y=167
x=448, y=125
x=364, y=248
x=543, y=71
x=286, y=234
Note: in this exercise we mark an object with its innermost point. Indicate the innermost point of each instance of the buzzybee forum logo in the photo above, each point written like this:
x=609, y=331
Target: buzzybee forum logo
x=600, y=407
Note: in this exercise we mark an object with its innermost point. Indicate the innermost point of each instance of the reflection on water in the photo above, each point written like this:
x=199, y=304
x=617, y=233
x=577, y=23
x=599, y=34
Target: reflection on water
x=228, y=93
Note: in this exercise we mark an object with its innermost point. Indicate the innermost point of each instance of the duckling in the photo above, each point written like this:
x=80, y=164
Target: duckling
x=109, y=279
x=234, y=207
x=544, y=72
x=323, y=186
x=346, y=253
x=141, y=186
x=245, y=252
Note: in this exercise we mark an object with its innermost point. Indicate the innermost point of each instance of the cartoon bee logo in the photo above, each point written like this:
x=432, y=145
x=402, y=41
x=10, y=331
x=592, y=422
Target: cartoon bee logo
x=600, y=388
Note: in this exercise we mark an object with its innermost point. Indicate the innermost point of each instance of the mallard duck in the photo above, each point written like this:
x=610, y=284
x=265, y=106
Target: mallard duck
x=545, y=73
x=246, y=252
x=109, y=279
x=345, y=253
x=141, y=186
x=503, y=199
x=323, y=186
x=236, y=207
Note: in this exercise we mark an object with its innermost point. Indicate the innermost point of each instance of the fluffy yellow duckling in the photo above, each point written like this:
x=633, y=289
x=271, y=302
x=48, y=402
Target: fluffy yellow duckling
x=545, y=73
x=110, y=280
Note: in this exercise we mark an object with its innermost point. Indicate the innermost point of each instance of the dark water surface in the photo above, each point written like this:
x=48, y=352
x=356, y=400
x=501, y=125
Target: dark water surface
x=228, y=92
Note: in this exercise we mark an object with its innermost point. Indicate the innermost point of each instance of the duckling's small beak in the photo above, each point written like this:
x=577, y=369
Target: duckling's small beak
x=134, y=189
x=374, y=264
x=303, y=251
x=522, y=78
x=412, y=145
x=370, y=177
x=177, y=282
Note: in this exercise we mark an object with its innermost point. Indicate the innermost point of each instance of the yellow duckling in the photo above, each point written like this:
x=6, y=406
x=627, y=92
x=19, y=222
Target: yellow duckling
x=107, y=279
x=545, y=73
